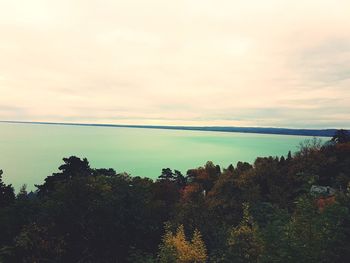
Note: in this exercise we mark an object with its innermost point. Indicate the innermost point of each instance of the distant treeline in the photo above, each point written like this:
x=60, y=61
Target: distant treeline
x=291, y=209
x=282, y=131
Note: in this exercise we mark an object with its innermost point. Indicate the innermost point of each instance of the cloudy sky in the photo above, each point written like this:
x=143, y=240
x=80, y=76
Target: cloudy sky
x=282, y=63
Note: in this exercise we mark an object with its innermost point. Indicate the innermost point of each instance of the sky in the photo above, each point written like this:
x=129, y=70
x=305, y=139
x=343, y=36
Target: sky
x=271, y=63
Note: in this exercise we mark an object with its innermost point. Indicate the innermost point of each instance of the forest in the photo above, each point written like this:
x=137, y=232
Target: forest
x=292, y=208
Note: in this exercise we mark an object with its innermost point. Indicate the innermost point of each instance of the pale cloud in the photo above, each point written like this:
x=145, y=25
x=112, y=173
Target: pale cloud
x=186, y=62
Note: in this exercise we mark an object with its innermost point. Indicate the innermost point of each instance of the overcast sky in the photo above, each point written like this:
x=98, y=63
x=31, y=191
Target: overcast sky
x=282, y=63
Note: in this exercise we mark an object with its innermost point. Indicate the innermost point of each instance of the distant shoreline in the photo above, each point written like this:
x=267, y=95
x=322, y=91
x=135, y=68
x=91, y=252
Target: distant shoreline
x=258, y=130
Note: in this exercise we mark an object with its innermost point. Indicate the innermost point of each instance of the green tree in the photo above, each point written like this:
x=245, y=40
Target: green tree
x=72, y=167
x=35, y=243
x=341, y=136
x=318, y=236
x=7, y=195
x=167, y=174
x=244, y=243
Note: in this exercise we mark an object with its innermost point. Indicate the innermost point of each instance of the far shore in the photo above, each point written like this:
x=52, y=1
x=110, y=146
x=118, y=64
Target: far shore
x=260, y=130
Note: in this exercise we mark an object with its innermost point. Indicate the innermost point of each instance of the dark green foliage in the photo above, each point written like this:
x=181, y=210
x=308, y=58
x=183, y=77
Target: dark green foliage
x=167, y=174
x=245, y=213
x=244, y=242
x=170, y=176
x=341, y=136
x=7, y=194
x=72, y=167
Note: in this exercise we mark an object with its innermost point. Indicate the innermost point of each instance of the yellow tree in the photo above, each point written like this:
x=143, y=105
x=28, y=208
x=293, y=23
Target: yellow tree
x=245, y=245
x=199, y=251
x=175, y=247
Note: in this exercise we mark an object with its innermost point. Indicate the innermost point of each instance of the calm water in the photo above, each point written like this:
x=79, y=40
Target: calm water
x=29, y=152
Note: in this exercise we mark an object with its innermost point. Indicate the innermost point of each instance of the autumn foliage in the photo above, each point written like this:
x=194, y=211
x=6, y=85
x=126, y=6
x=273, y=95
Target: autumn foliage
x=258, y=212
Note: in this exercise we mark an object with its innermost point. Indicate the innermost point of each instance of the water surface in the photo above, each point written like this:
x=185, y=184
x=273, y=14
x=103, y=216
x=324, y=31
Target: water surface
x=30, y=152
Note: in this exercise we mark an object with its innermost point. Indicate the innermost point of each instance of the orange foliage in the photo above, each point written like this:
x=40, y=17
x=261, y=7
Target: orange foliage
x=189, y=191
x=343, y=148
x=322, y=202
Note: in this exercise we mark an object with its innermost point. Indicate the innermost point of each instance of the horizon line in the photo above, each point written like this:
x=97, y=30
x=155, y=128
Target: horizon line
x=324, y=132
x=160, y=125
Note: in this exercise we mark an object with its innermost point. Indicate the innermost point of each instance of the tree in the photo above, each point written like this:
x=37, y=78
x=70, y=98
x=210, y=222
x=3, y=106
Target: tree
x=244, y=242
x=72, y=167
x=175, y=247
x=35, y=244
x=22, y=194
x=7, y=195
x=204, y=176
x=316, y=236
x=167, y=251
x=309, y=146
x=199, y=251
x=104, y=172
x=170, y=176
x=341, y=136
x=167, y=174
x=179, y=178
x=96, y=215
